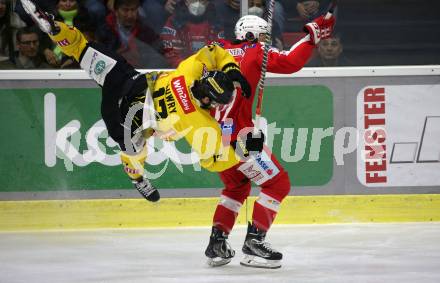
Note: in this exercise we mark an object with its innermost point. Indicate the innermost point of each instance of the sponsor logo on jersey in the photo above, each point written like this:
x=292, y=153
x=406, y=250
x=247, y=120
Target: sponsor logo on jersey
x=63, y=42
x=267, y=164
x=236, y=52
x=259, y=169
x=273, y=202
x=253, y=45
x=97, y=64
x=227, y=127
x=169, y=31
x=99, y=67
x=253, y=173
x=179, y=88
x=264, y=165
x=92, y=62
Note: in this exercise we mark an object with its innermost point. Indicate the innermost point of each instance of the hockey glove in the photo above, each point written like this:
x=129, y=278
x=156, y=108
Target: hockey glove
x=254, y=142
x=320, y=28
x=146, y=189
x=44, y=20
x=251, y=144
x=235, y=75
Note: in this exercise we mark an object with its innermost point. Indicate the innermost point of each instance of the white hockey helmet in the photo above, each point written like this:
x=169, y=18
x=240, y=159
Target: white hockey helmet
x=250, y=27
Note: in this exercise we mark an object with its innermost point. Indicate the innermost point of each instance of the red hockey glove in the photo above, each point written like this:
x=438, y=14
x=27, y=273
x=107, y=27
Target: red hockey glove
x=320, y=28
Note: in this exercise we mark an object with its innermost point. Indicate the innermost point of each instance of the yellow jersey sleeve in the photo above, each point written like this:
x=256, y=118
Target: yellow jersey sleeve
x=209, y=58
x=71, y=41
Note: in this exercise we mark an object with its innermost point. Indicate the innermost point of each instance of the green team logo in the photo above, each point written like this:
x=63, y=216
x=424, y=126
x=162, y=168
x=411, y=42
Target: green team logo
x=99, y=67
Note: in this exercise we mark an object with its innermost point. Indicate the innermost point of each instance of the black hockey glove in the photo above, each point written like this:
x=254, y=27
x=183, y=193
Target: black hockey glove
x=235, y=75
x=255, y=142
x=146, y=189
x=251, y=144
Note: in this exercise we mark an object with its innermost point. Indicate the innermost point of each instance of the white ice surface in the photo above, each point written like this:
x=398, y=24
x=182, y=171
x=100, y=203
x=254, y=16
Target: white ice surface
x=312, y=253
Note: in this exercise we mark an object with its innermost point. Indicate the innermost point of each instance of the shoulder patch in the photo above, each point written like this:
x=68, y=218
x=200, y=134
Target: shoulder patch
x=253, y=45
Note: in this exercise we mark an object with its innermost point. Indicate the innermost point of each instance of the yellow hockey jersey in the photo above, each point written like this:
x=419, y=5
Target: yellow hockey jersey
x=180, y=116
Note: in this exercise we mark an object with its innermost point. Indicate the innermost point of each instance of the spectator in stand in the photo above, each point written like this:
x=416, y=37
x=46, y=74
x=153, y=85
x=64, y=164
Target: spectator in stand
x=297, y=14
x=97, y=11
x=230, y=11
x=259, y=8
x=329, y=53
x=308, y=9
x=67, y=11
x=6, y=34
x=193, y=25
x=29, y=55
x=302, y=11
x=157, y=12
x=84, y=22
x=126, y=34
x=47, y=5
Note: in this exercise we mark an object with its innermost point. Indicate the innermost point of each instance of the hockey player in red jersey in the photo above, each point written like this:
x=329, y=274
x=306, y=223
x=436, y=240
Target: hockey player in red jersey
x=259, y=164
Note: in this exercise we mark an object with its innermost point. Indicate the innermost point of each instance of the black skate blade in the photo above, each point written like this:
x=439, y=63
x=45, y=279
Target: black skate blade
x=218, y=261
x=259, y=262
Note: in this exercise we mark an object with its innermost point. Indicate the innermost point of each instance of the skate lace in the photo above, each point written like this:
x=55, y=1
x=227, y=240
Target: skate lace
x=266, y=246
x=144, y=187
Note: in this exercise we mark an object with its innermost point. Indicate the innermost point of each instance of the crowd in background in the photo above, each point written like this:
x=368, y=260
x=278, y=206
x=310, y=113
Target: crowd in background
x=160, y=33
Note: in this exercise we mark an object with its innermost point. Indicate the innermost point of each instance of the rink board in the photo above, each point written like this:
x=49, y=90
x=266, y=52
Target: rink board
x=59, y=169
x=181, y=212
x=311, y=116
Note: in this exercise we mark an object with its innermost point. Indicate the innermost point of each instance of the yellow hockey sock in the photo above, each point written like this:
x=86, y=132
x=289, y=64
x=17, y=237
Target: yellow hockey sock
x=134, y=164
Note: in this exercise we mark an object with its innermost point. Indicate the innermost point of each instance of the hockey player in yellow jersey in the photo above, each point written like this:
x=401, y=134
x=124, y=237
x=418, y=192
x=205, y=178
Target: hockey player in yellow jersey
x=170, y=105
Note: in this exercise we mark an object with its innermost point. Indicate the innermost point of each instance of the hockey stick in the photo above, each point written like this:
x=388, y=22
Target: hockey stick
x=260, y=87
x=331, y=8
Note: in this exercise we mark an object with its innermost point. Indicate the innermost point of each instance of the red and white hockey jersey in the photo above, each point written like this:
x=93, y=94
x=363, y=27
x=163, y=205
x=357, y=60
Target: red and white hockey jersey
x=238, y=113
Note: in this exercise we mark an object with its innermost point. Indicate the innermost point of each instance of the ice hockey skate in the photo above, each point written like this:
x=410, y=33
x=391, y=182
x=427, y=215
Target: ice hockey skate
x=146, y=189
x=219, y=252
x=44, y=20
x=257, y=252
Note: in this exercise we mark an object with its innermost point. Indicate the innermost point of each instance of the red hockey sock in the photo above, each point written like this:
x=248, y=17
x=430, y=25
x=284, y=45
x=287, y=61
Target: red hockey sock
x=265, y=211
x=224, y=219
x=237, y=188
x=268, y=203
x=226, y=213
